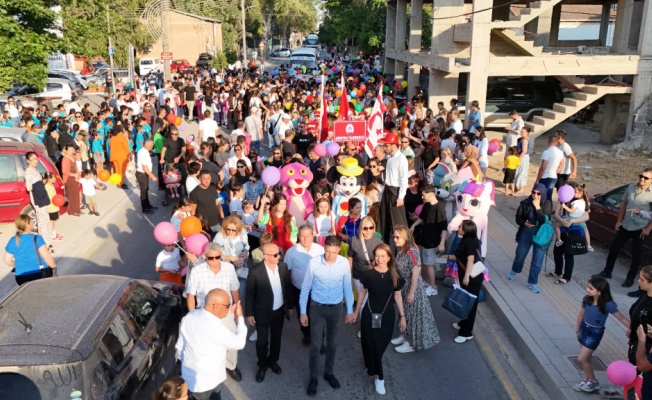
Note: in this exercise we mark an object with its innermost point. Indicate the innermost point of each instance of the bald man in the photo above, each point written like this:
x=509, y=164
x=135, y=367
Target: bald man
x=204, y=338
x=144, y=174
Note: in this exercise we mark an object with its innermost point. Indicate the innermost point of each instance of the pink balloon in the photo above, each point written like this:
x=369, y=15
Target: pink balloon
x=566, y=194
x=621, y=373
x=320, y=149
x=196, y=243
x=493, y=147
x=333, y=149
x=417, y=211
x=271, y=176
x=165, y=233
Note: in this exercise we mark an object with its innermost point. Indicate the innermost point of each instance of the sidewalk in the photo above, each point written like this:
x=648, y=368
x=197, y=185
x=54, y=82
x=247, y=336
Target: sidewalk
x=542, y=326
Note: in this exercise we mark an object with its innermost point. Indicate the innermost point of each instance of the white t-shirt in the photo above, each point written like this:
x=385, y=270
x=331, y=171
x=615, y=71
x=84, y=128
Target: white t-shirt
x=554, y=156
x=234, y=135
x=323, y=226
x=233, y=162
x=88, y=186
x=208, y=127
x=144, y=159
x=457, y=126
x=568, y=165
x=191, y=183
x=580, y=208
x=168, y=260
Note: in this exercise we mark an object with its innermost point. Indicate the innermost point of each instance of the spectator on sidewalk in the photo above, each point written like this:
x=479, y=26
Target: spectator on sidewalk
x=569, y=172
x=631, y=226
x=514, y=128
x=565, y=261
x=552, y=163
x=530, y=215
x=144, y=173
x=208, y=204
x=27, y=252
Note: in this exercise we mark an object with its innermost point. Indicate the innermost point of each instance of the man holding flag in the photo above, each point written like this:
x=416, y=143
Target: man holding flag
x=375, y=124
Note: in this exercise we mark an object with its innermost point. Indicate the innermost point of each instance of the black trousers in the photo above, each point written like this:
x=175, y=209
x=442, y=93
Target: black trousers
x=143, y=182
x=390, y=214
x=564, y=262
x=324, y=316
x=474, y=286
x=622, y=236
x=268, y=344
x=305, y=330
x=161, y=184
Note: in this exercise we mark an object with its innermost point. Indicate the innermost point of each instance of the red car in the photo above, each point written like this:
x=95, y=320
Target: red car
x=179, y=65
x=14, y=198
x=604, y=213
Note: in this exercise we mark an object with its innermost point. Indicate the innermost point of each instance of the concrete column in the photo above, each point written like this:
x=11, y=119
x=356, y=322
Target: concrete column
x=607, y=131
x=480, y=37
x=416, y=27
x=624, y=12
x=399, y=42
x=442, y=86
x=390, y=37
x=538, y=30
x=554, y=26
x=635, y=24
x=604, y=24
x=642, y=86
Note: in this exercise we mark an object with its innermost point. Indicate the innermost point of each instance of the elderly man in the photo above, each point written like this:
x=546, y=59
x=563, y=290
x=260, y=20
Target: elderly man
x=144, y=174
x=254, y=126
x=327, y=282
x=215, y=274
x=297, y=258
x=205, y=337
x=269, y=300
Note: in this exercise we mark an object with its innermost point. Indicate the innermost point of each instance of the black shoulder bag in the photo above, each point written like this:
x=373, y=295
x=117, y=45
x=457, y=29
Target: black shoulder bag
x=46, y=271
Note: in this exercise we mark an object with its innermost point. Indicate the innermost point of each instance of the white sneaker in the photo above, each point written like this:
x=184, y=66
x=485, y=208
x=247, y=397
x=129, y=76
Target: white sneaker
x=380, y=386
x=462, y=339
x=579, y=386
x=404, y=348
x=398, y=341
x=253, y=337
x=359, y=334
x=456, y=325
x=433, y=291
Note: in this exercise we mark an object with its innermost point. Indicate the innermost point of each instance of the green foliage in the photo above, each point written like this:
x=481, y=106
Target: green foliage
x=362, y=19
x=25, y=42
x=219, y=61
x=231, y=56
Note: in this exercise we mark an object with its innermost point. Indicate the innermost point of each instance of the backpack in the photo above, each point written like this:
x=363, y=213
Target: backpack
x=544, y=235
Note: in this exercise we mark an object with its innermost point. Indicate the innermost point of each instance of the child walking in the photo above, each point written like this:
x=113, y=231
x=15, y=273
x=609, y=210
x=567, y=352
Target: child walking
x=512, y=162
x=172, y=179
x=596, y=307
x=89, y=186
x=170, y=263
x=48, y=179
x=575, y=209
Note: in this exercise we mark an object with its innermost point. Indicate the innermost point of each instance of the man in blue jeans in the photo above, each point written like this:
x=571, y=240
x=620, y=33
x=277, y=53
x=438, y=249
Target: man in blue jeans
x=531, y=214
x=552, y=163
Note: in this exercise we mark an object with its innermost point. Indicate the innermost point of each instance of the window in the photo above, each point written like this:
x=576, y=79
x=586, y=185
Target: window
x=8, y=168
x=141, y=304
x=118, y=340
x=498, y=93
x=101, y=380
x=522, y=92
x=615, y=197
x=146, y=62
x=53, y=86
x=41, y=168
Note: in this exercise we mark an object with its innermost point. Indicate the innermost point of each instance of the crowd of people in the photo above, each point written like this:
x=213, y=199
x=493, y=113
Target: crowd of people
x=373, y=239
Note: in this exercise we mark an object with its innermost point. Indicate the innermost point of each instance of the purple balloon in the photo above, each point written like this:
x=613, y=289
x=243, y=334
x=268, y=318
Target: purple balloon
x=196, y=243
x=165, y=233
x=271, y=176
x=333, y=149
x=565, y=193
x=182, y=128
x=320, y=149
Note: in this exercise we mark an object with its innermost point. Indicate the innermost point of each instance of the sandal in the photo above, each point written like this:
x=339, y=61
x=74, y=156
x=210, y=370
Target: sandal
x=552, y=275
x=561, y=281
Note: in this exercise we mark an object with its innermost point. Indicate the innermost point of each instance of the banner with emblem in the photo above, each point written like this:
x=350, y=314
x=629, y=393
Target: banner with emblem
x=350, y=131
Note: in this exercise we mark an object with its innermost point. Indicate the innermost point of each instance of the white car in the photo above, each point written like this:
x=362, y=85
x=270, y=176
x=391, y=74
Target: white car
x=280, y=53
x=73, y=76
x=57, y=87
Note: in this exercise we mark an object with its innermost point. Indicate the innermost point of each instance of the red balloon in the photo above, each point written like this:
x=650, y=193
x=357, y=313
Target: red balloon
x=383, y=108
x=58, y=200
x=363, y=87
x=497, y=141
x=171, y=118
x=356, y=80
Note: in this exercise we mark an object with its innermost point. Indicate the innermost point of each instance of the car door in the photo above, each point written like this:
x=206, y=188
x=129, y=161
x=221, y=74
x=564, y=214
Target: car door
x=13, y=196
x=118, y=348
x=604, y=214
x=521, y=98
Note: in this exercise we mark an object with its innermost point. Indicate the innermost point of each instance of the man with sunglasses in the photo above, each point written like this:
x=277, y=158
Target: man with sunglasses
x=631, y=226
x=207, y=276
x=173, y=151
x=205, y=338
x=268, y=301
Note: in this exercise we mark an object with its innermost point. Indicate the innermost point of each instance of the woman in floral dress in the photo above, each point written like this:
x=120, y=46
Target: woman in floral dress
x=421, y=332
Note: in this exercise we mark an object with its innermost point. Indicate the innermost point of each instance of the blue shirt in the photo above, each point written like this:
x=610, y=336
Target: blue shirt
x=25, y=258
x=96, y=146
x=6, y=124
x=595, y=318
x=140, y=141
x=327, y=284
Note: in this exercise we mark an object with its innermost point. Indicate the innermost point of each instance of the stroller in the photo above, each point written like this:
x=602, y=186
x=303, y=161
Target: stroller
x=168, y=191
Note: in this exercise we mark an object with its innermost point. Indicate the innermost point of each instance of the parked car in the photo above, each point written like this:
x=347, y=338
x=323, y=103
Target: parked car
x=149, y=64
x=87, y=337
x=204, y=60
x=14, y=198
x=179, y=65
x=74, y=76
x=280, y=53
x=603, y=215
x=58, y=87
x=20, y=135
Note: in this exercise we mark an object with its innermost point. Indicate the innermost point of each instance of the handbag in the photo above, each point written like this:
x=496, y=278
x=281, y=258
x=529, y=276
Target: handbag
x=478, y=267
x=574, y=241
x=377, y=318
x=459, y=302
x=46, y=271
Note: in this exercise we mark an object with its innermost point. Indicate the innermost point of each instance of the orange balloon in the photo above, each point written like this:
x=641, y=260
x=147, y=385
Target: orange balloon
x=190, y=225
x=104, y=175
x=178, y=121
x=338, y=93
x=359, y=93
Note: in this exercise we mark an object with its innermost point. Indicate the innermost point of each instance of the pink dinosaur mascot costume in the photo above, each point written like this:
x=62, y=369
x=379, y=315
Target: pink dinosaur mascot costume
x=296, y=178
x=473, y=201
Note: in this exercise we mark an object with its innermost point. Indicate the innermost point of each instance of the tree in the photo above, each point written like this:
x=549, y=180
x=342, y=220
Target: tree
x=26, y=39
x=363, y=20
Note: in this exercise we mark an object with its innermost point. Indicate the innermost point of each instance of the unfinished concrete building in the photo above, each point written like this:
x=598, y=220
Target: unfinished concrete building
x=500, y=38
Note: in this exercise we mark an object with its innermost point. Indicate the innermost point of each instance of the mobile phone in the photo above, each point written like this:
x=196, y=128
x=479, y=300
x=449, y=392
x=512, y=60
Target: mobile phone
x=644, y=322
x=631, y=393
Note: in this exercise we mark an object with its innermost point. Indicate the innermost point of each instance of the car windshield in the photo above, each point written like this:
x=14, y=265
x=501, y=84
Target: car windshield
x=204, y=57
x=146, y=62
x=615, y=197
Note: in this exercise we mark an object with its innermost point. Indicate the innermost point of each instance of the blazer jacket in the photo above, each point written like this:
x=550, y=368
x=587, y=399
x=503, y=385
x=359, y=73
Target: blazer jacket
x=259, y=298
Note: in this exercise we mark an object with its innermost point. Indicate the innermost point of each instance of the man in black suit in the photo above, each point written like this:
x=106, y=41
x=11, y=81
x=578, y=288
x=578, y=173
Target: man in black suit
x=268, y=301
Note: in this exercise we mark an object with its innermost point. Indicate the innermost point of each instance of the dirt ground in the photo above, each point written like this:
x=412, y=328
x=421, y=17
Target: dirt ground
x=601, y=169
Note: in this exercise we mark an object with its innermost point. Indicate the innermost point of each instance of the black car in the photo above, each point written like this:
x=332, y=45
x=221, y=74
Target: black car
x=204, y=60
x=87, y=336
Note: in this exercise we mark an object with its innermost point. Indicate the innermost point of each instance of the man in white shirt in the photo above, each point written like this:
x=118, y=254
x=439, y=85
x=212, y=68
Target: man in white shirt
x=392, y=210
x=514, y=129
x=570, y=160
x=274, y=121
x=73, y=105
x=204, y=339
x=144, y=174
x=215, y=274
x=456, y=122
x=281, y=127
x=239, y=131
x=207, y=127
x=254, y=127
x=297, y=259
x=552, y=163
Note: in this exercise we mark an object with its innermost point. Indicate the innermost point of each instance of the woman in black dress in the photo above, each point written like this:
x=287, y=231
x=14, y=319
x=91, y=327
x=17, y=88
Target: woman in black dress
x=382, y=283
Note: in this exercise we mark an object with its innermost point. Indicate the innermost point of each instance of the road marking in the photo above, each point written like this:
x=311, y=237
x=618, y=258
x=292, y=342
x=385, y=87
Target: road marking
x=495, y=365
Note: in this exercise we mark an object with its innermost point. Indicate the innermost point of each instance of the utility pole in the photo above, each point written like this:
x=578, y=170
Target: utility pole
x=244, y=36
x=111, y=50
x=165, y=39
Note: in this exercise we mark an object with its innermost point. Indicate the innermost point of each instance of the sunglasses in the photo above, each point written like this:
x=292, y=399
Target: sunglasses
x=273, y=255
x=211, y=258
x=252, y=181
x=368, y=228
x=396, y=237
x=174, y=134
x=536, y=193
x=405, y=142
x=646, y=178
x=240, y=166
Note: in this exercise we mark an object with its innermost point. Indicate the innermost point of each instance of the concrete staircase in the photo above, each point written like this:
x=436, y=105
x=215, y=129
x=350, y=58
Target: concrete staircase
x=526, y=15
x=562, y=111
x=526, y=47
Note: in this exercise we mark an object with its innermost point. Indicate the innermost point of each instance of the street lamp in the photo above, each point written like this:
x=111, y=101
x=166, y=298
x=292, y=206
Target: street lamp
x=244, y=33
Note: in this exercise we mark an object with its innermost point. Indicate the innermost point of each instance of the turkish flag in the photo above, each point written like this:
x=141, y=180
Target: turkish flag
x=344, y=105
